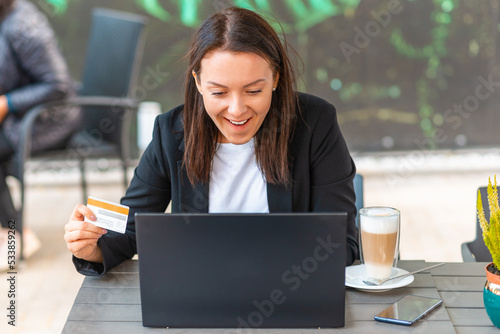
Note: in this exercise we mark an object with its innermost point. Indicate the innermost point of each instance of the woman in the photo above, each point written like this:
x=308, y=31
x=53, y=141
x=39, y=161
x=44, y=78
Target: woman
x=32, y=71
x=244, y=141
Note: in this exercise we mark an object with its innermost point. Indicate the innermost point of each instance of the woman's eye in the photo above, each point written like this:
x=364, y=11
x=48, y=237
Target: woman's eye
x=255, y=92
x=217, y=93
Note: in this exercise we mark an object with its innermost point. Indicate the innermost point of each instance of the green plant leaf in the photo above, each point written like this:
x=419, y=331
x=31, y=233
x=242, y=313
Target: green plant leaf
x=491, y=229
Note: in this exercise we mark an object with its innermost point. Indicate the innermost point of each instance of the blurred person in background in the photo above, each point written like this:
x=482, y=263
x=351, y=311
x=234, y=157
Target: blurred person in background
x=32, y=71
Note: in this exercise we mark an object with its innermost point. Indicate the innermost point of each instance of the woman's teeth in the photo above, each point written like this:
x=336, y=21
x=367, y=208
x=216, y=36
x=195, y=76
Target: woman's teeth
x=238, y=123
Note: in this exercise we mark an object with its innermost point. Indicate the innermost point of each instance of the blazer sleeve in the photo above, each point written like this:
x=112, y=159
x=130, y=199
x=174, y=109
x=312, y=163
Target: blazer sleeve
x=149, y=191
x=332, y=171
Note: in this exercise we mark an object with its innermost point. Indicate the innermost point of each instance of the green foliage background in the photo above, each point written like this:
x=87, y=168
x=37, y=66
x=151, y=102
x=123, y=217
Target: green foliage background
x=398, y=91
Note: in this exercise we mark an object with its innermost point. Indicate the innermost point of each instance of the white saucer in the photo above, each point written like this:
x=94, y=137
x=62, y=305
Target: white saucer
x=354, y=276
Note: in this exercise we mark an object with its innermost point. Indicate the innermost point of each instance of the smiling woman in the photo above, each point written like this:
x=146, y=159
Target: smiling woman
x=243, y=141
x=238, y=52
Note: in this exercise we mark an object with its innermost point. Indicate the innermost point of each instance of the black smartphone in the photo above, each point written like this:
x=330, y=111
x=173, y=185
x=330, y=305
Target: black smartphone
x=408, y=310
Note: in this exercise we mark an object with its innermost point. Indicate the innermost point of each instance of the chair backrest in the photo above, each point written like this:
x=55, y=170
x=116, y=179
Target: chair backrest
x=358, y=190
x=477, y=247
x=112, y=62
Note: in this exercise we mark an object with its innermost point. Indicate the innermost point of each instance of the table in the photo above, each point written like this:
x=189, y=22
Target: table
x=111, y=304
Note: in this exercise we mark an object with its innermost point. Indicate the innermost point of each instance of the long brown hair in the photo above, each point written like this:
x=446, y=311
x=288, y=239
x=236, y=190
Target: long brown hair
x=240, y=30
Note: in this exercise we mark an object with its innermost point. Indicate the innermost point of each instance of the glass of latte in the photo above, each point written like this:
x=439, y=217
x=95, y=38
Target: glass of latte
x=379, y=240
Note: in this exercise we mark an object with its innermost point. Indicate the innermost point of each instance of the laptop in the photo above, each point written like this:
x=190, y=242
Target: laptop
x=242, y=270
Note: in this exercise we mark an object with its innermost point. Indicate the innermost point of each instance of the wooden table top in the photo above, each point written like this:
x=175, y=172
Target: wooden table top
x=111, y=304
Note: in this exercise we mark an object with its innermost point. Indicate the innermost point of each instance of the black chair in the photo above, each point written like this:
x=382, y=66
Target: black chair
x=358, y=190
x=109, y=77
x=476, y=250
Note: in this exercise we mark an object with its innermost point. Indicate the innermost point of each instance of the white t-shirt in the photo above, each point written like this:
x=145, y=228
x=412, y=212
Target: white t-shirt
x=236, y=182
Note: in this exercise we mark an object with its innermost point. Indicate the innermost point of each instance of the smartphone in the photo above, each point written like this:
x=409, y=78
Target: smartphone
x=408, y=310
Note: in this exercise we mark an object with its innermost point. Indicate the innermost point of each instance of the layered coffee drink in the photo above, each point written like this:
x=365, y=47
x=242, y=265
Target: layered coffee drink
x=379, y=231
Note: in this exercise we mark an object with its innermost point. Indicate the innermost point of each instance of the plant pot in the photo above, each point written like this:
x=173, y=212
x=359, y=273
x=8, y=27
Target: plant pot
x=491, y=296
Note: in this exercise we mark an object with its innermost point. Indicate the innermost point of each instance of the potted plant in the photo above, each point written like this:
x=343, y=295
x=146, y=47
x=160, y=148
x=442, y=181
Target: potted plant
x=491, y=236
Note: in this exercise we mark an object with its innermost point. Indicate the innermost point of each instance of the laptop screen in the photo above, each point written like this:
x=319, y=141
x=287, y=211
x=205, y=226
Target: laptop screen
x=242, y=270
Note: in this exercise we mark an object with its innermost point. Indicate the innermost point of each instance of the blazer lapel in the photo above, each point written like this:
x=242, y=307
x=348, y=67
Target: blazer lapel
x=192, y=199
x=279, y=198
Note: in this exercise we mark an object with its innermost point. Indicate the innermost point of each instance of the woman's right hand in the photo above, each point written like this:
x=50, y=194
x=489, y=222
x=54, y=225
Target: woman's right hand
x=81, y=236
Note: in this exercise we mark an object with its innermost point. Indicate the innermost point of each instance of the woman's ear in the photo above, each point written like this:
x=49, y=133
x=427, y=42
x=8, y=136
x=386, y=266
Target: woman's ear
x=197, y=82
x=276, y=79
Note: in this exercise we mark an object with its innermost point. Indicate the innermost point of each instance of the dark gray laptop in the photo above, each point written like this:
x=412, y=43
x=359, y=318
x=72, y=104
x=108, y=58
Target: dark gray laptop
x=242, y=270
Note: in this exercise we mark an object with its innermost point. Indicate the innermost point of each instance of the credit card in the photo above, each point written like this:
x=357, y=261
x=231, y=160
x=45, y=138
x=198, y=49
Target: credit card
x=111, y=216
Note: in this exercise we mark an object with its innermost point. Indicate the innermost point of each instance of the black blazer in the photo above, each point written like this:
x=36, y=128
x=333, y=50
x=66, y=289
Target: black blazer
x=322, y=171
